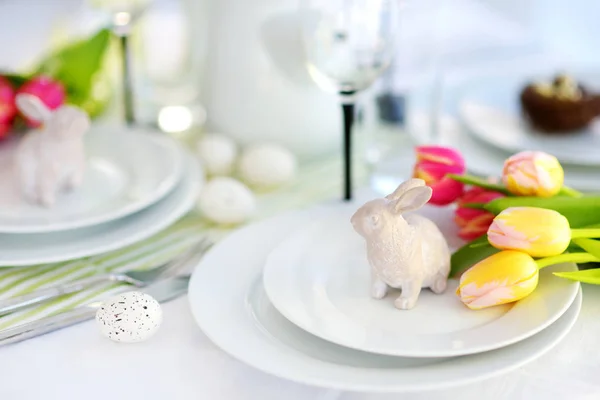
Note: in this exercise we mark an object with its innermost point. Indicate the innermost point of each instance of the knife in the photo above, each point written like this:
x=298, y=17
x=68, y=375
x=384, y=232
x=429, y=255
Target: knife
x=162, y=291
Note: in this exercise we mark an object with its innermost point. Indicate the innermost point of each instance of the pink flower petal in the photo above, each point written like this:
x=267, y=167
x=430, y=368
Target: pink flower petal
x=503, y=236
x=445, y=191
x=52, y=93
x=441, y=155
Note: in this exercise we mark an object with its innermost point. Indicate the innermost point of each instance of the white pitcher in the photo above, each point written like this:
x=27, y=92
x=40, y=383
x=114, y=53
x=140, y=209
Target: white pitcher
x=254, y=83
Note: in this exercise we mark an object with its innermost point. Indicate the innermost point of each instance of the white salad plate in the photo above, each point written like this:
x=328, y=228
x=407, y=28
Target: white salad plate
x=231, y=307
x=491, y=110
x=127, y=170
x=39, y=248
x=319, y=279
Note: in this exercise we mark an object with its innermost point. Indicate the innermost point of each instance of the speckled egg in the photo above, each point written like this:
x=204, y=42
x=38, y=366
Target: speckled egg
x=267, y=165
x=217, y=153
x=129, y=317
x=226, y=201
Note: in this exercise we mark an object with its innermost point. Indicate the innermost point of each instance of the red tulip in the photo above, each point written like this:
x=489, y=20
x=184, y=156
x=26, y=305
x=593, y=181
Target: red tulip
x=474, y=223
x=8, y=109
x=50, y=92
x=433, y=165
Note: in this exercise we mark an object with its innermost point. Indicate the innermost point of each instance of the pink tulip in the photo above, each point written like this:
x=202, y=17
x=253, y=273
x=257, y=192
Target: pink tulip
x=51, y=92
x=474, y=223
x=433, y=165
x=8, y=110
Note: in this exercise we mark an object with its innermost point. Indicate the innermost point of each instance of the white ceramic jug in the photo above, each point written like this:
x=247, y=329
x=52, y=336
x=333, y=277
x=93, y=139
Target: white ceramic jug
x=254, y=83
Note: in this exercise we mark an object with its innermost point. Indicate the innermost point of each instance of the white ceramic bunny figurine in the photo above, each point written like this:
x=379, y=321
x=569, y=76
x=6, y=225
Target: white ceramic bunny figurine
x=406, y=252
x=51, y=159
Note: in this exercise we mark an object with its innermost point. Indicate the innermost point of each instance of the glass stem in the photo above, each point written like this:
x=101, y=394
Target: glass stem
x=348, y=110
x=127, y=80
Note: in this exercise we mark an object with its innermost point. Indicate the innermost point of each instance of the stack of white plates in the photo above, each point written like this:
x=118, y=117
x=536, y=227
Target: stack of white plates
x=137, y=183
x=290, y=296
x=492, y=127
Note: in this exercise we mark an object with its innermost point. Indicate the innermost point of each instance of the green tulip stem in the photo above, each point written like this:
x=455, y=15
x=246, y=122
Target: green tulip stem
x=567, y=257
x=475, y=206
x=482, y=183
x=567, y=191
x=497, y=187
x=585, y=233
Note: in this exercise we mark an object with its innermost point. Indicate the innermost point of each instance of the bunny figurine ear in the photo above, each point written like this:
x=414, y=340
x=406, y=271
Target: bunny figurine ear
x=405, y=187
x=32, y=107
x=70, y=120
x=412, y=200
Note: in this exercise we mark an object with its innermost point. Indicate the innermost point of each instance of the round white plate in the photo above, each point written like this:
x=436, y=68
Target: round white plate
x=319, y=279
x=229, y=304
x=127, y=170
x=39, y=248
x=491, y=110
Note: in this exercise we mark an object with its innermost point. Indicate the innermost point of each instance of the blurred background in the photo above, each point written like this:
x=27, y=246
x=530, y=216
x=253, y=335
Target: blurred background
x=236, y=67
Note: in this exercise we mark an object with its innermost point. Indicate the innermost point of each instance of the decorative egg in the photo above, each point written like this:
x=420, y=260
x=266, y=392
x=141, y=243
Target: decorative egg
x=129, y=317
x=267, y=165
x=226, y=201
x=217, y=153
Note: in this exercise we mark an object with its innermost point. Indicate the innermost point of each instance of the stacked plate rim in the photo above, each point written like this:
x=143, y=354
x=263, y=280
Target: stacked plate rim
x=137, y=182
x=291, y=296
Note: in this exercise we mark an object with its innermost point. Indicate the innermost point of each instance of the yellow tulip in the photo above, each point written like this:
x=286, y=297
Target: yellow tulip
x=502, y=278
x=533, y=173
x=539, y=232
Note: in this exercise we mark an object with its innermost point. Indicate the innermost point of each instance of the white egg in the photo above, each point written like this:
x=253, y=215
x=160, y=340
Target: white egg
x=129, y=317
x=226, y=201
x=267, y=165
x=217, y=153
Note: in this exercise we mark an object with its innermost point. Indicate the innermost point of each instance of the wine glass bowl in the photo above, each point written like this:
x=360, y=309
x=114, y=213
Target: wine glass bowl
x=348, y=44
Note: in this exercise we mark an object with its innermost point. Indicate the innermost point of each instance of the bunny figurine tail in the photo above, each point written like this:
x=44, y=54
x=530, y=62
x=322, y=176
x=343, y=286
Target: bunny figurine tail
x=406, y=252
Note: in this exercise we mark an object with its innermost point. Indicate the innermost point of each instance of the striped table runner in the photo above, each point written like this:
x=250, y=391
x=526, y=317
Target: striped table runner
x=316, y=181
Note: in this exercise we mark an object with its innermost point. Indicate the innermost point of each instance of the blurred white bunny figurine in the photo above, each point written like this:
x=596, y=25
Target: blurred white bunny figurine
x=406, y=252
x=51, y=159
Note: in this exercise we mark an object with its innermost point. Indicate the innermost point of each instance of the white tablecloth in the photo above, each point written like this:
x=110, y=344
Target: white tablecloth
x=181, y=363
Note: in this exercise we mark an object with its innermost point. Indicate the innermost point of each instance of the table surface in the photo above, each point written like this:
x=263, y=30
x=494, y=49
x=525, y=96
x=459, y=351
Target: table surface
x=180, y=362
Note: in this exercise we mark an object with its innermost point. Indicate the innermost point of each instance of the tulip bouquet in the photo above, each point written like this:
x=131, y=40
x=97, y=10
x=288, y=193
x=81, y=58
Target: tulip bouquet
x=71, y=74
x=514, y=226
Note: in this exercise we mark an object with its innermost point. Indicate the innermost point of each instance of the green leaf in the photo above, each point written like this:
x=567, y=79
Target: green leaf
x=465, y=257
x=567, y=191
x=590, y=245
x=580, y=212
x=16, y=79
x=482, y=183
x=591, y=276
x=77, y=65
x=480, y=241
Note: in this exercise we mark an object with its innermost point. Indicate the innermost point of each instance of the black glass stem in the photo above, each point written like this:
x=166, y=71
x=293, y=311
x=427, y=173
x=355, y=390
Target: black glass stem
x=348, y=111
x=127, y=80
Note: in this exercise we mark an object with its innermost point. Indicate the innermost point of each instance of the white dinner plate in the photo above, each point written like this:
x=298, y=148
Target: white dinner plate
x=127, y=170
x=490, y=108
x=230, y=306
x=39, y=248
x=319, y=279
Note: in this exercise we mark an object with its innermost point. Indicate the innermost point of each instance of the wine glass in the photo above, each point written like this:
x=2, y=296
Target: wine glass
x=348, y=44
x=123, y=14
